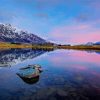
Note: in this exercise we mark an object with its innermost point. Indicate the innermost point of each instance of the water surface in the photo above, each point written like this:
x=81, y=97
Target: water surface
x=67, y=75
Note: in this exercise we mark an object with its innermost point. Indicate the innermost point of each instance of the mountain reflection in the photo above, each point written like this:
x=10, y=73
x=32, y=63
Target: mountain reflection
x=12, y=56
x=94, y=51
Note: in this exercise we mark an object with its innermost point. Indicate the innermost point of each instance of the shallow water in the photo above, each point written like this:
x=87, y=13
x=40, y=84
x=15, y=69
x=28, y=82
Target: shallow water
x=67, y=75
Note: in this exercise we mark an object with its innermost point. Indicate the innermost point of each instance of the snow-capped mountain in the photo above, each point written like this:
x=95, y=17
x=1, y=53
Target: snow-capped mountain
x=10, y=34
x=97, y=43
x=91, y=43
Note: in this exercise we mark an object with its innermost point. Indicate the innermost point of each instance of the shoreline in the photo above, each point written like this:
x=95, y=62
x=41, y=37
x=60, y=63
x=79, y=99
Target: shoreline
x=47, y=47
x=80, y=47
x=25, y=46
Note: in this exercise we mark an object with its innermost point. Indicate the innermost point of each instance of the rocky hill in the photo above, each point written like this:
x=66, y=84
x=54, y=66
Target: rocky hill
x=91, y=43
x=97, y=43
x=11, y=34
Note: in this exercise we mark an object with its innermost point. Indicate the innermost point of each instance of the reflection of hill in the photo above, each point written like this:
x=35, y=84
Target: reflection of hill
x=98, y=52
x=13, y=56
x=94, y=51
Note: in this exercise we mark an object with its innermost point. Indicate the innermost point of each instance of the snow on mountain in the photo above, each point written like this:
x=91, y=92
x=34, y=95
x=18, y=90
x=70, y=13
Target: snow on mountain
x=97, y=43
x=91, y=43
x=11, y=34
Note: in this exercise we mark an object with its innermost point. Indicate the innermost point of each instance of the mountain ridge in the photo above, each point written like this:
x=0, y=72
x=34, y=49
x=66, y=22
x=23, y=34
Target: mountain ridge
x=12, y=35
x=92, y=43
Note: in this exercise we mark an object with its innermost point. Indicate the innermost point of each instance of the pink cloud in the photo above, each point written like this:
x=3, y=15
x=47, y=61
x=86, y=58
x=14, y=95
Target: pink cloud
x=77, y=33
x=83, y=38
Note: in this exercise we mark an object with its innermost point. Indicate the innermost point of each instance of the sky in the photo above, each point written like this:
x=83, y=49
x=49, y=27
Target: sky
x=59, y=21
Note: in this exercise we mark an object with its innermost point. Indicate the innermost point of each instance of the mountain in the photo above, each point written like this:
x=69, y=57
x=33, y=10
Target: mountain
x=11, y=34
x=91, y=43
x=97, y=43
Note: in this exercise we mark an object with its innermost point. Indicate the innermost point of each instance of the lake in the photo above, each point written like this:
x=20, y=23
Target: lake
x=67, y=75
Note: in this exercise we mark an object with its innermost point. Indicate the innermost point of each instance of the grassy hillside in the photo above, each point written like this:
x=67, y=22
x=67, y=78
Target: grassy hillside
x=9, y=45
x=84, y=47
x=4, y=45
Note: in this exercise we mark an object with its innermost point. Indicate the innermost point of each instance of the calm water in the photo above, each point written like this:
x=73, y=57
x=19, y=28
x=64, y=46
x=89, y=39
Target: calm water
x=67, y=75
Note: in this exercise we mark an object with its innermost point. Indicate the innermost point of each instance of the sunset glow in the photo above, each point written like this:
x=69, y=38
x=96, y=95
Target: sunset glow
x=61, y=21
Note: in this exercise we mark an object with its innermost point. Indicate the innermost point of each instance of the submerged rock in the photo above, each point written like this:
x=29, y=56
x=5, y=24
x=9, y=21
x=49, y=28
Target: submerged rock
x=30, y=74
